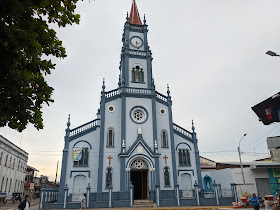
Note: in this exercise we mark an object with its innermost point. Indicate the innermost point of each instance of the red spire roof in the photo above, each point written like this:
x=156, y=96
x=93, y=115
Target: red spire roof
x=134, y=17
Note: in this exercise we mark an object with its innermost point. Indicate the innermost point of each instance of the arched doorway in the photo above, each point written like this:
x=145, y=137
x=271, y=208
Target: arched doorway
x=186, y=183
x=139, y=178
x=79, y=188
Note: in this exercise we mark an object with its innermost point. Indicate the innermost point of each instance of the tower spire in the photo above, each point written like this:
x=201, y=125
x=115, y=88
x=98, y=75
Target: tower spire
x=134, y=17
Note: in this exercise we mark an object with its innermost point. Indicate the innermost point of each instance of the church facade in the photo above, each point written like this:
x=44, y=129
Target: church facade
x=133, y=141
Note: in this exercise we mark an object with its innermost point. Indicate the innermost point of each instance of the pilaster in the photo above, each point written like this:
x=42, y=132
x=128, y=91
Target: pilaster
x=174, y=165
x=101, y=145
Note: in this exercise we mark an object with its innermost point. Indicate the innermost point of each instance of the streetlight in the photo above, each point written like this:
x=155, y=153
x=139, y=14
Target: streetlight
x=241, y=164
x=271, y=53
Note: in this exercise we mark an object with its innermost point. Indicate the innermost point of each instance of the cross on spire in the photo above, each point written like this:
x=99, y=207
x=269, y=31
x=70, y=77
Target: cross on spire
x=134, y=17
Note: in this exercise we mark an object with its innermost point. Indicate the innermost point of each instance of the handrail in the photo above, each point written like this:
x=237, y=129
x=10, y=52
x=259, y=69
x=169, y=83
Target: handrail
x=182, y=130
x=83, y=127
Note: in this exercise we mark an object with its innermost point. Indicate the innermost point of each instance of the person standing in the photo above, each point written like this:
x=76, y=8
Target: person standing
x=24, y=205
x=83, y=204
x=255, y=202
x=267, y=204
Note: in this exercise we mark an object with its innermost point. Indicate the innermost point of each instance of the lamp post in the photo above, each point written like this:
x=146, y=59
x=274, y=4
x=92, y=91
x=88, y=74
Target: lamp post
x=271, y=53
x=241, y=164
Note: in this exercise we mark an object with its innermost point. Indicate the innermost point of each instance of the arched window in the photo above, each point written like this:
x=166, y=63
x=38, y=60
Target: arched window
x=1, y=155
x=133, y=74
x=110, y=137
x=137, y=74
x=166, y=177
x=6, y=160
x=14, y=163
x=15, y=189
x=2, y=185
x=6, y=184
x=80, y=156
x=18, y=164
x=10, y=166
x=164, y=139
x=184, y=157
x=108, y=177
x=10, y=185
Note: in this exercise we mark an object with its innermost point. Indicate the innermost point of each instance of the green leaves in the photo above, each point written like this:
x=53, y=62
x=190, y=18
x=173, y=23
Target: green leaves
x=25, y=37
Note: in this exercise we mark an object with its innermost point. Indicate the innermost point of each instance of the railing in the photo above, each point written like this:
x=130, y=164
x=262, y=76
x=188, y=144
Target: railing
x=83, y=127
x=48, y=195
x=137, y=90
x=161, y=96
x=182, y=131
x=111, y=93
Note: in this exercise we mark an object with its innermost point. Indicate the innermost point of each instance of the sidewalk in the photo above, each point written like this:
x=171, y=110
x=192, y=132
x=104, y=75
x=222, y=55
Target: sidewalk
x=169, y=208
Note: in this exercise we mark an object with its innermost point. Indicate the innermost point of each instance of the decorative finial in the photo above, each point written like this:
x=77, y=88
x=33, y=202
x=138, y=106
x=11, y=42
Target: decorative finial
x=144, y=19
x=119, y=83
x=193, y=128
x=168, y=91
x=68, y=123
x=123, y=143
x=103, y=86
x=153, y=83
x=127, y=18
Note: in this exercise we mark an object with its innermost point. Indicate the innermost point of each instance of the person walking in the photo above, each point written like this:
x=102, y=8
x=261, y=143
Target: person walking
x=24, y=205
x=83, y=204
x=255, y=202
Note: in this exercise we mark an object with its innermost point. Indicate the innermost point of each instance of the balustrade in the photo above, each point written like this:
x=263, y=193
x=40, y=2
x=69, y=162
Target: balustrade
x=83, y=127
x=182, y=131
x=161, y=96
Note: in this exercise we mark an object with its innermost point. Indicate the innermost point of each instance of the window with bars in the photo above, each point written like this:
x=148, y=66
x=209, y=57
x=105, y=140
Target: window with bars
x=108, y=177
x=83, y=162
x=1, y=155
x=110, y=137
x=137, y=74
x=184, y=157
x=164, y=138
x=166, y=177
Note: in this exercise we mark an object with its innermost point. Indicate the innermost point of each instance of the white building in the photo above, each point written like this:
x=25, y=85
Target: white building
x=13, y=162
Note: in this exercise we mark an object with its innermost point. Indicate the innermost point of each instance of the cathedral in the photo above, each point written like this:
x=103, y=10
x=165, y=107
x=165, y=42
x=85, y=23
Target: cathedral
x=133, y=143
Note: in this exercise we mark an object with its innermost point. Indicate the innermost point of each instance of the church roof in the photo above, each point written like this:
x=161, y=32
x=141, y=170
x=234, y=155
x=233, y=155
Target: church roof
x=134, y=17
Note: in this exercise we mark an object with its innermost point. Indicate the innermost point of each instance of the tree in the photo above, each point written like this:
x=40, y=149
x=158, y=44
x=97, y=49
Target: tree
x=26, y=41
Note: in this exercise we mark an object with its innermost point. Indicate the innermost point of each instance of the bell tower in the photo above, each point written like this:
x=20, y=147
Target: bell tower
x=136, y=57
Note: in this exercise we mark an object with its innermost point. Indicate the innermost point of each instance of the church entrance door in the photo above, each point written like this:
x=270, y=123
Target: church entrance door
x=139, y=179
x=79, y=188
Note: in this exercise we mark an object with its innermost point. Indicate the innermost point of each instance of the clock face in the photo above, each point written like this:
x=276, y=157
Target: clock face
x=136, y=42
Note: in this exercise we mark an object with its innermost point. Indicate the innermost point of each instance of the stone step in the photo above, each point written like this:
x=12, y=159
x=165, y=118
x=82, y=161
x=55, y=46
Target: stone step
x=144, y=203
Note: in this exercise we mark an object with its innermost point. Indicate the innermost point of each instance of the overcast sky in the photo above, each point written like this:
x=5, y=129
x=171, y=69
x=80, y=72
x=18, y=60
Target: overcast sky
x=211, y=53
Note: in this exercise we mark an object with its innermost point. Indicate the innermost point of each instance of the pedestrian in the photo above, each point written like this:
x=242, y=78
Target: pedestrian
x=260, y=198
x=267, y=204
x=255, y=202
x=83, y=204
x=277, y=194
x=24, y=205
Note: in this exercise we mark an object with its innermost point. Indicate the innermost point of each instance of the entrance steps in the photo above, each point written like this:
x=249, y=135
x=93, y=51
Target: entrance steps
x=144, y=203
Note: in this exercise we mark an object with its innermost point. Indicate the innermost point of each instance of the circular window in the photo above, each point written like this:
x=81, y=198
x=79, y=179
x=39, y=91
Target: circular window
x=162, y=111
x=111, y=109
x=139, y=114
